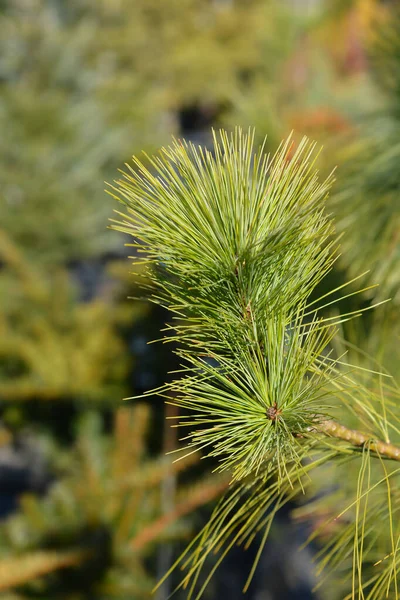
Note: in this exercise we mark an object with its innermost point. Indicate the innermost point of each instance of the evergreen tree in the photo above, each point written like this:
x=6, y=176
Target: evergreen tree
x=85, y=83
x=59, y=354
x=367, y=202
x=90, y=536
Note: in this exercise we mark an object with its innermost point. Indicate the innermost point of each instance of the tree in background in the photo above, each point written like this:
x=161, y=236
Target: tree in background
x=94, y=530
x=367, y=202
x=52, y=346
x=86, y=84
x=366, y=199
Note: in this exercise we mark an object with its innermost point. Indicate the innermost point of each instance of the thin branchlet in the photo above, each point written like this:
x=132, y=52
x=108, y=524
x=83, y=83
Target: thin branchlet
x=358, y=438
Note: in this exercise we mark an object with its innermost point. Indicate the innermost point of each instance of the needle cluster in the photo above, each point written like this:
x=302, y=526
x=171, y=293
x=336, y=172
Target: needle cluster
x=235, y=242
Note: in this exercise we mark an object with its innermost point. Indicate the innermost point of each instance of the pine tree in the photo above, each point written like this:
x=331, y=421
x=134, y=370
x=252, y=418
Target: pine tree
x=367, y=203
x=99, y=522
x=54, y=347
x=85, y=83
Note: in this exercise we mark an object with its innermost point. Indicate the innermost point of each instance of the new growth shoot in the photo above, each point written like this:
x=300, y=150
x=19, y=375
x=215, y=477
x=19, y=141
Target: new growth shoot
x=235, y=242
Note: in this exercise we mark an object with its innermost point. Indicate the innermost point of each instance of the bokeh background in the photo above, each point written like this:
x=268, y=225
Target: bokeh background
x=91, y=508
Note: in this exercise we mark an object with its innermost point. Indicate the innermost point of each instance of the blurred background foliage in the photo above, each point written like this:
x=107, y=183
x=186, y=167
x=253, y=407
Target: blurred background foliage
x=85, y=84
x=102, y=516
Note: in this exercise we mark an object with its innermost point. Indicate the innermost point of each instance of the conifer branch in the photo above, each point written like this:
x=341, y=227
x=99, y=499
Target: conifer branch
x=200, y=496
x=16, y=571
x=235, y=243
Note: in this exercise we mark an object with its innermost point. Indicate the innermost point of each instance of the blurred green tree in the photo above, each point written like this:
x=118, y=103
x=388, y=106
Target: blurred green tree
x=367, y=200
x=54, y=347
x=85, y=83
x=90, y=536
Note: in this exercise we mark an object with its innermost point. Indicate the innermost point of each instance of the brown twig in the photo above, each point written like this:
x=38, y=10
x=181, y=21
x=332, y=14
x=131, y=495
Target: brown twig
x=201, y=496
x=357, y=438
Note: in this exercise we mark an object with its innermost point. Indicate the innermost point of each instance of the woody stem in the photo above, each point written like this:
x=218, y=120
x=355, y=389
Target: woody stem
x=357, y=438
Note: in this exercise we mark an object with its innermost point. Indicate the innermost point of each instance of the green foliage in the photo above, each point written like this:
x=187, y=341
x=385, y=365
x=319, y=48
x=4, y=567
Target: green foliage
x=367, y=203
x=367, y=211
x=239, y=242
x=349, y=498
x=235, y=242
x=385, y=59
x=212, y=224
x=85, y=82
x=92, y=532
x=53, y=347
x=63, y=129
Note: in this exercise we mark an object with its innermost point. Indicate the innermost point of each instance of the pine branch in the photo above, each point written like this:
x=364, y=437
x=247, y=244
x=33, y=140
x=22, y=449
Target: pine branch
x=17, y=571
x=235, y=243
x=198, y=497
x=107, y=506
